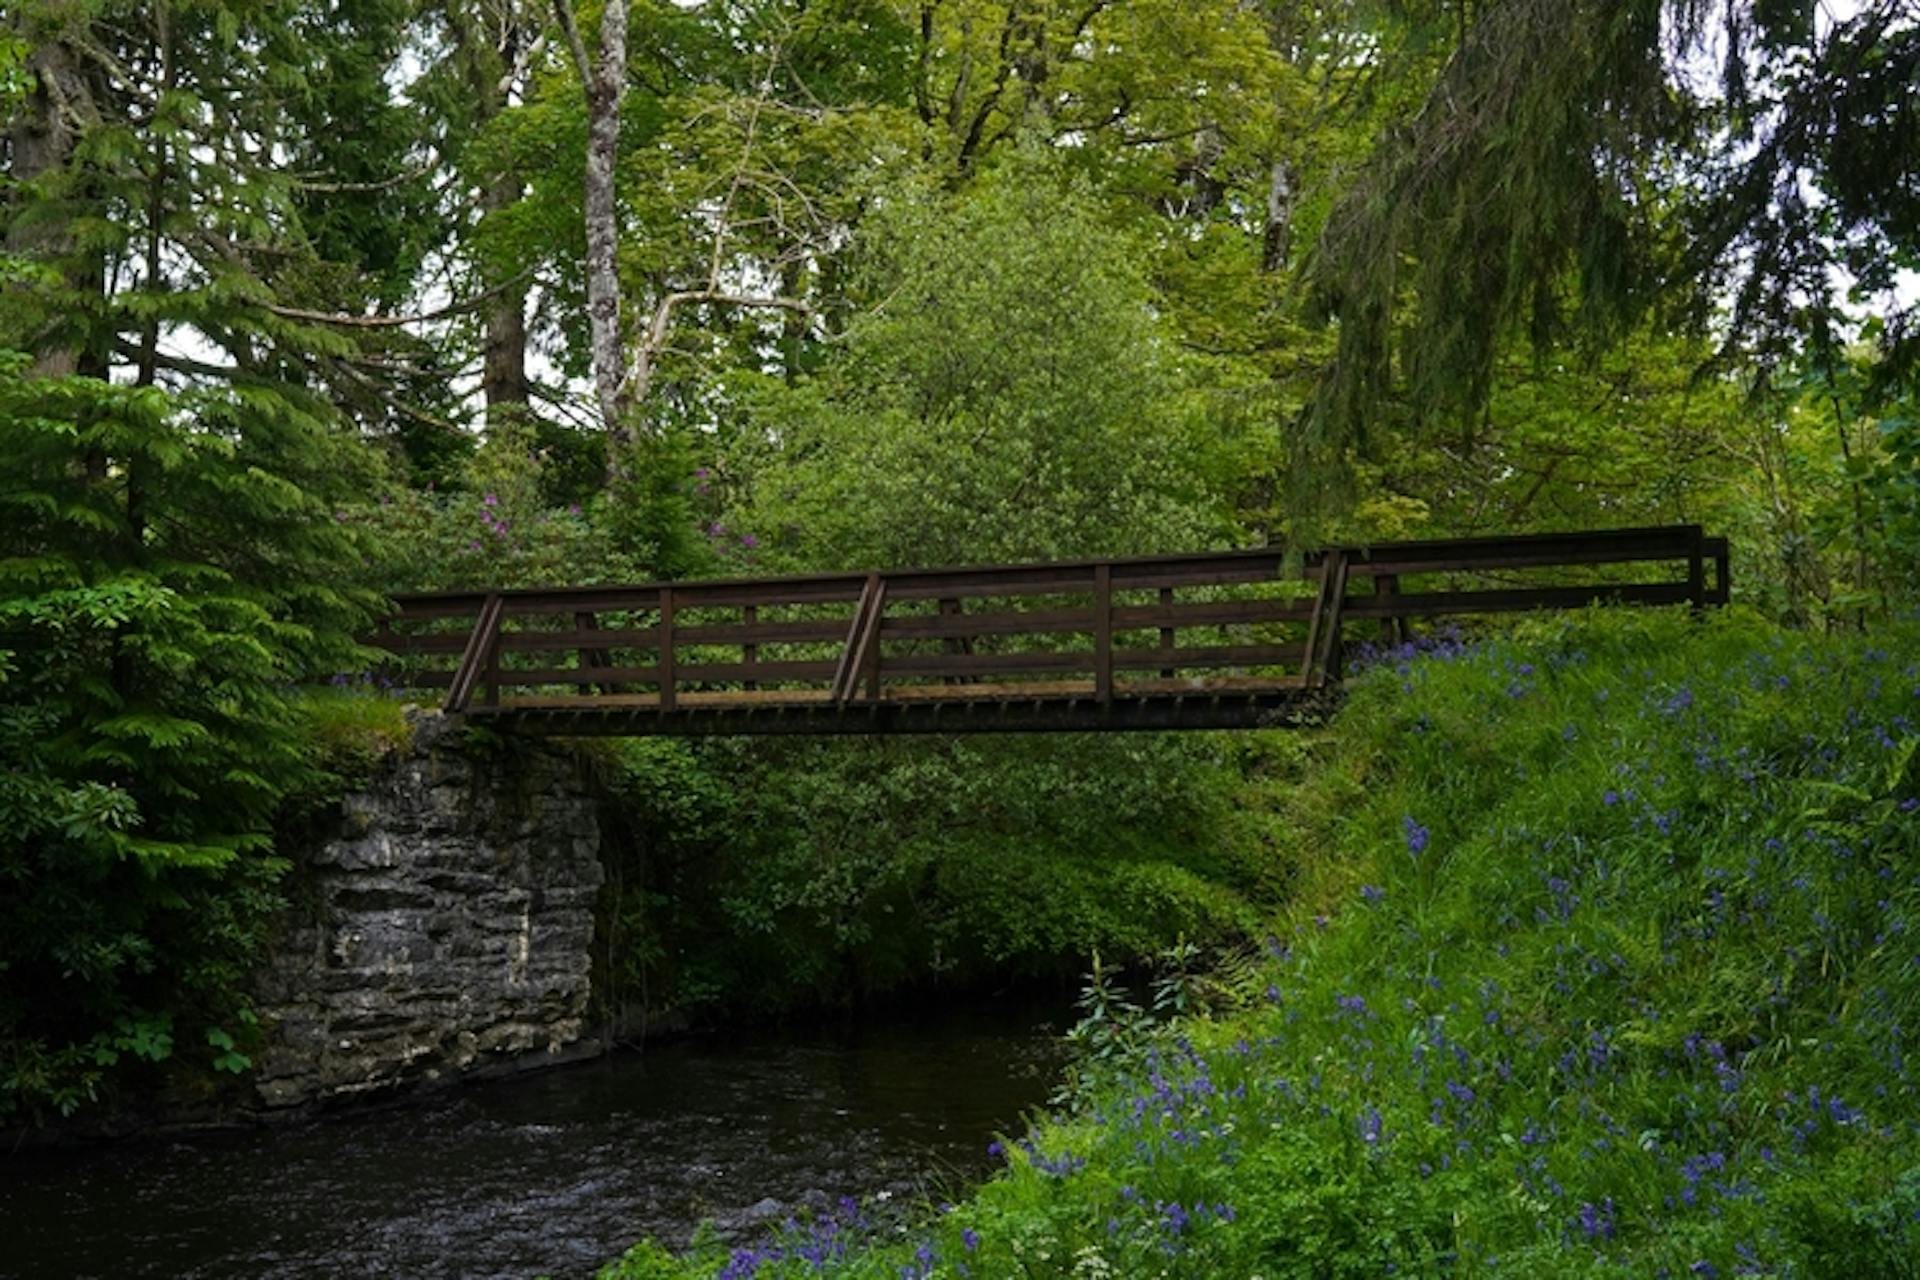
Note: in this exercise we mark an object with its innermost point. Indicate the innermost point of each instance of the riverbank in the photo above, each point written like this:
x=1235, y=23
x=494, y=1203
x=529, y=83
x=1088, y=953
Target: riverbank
x=454, y=906
x=1601, y=963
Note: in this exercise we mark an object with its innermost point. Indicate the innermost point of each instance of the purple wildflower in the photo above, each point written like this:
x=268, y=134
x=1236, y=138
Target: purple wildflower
x=1596, y=1220
x=1417, y=836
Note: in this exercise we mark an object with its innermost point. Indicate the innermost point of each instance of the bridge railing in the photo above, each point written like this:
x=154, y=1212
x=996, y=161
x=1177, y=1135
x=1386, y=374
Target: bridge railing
x=1100, y=629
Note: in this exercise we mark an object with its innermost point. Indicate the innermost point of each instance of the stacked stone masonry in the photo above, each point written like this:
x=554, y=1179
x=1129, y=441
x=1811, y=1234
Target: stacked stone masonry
x=440, y=927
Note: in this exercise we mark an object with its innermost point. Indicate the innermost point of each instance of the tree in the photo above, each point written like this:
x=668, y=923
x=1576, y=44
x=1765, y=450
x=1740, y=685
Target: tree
x=175, y=557
x=1007, y=394
x=1573, y=174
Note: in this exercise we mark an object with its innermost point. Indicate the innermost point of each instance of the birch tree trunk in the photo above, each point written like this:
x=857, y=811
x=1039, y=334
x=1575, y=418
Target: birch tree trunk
x=1277, y=243
x=606, y=88
x=604, y=83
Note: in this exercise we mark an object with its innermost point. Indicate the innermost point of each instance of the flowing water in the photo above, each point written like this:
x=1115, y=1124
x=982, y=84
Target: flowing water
x=552, y=1173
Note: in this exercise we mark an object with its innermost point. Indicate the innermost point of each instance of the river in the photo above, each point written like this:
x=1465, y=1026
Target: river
x=553, y=1173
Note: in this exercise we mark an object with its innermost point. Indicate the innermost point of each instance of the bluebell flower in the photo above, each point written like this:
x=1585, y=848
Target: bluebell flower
x=1596, y=1220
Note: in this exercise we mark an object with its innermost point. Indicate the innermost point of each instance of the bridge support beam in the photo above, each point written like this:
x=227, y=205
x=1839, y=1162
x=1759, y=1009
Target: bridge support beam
x=1079, y=715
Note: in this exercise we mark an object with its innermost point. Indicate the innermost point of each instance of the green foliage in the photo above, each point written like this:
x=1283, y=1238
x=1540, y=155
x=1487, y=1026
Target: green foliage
x=1600, y=964
x=347, y=728
x=1038, y=277
x=166, y=584
x=976, y=414
x=1572, y=175
x=1896, y=489
x=769, y=874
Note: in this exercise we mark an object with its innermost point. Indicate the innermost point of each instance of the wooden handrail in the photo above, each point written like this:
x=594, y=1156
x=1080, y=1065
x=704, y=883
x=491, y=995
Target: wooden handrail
x=1189, y=622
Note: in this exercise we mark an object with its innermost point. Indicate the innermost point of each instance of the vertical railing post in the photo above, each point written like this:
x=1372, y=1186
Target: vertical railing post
x=493, y=658
x=1697, y=568
x=950, y=607
x=1166, y=634
x=1323, y=628
x=1103, y=632
x=1334, y=667
x=750, y=652
x=870, y=666
x=1310, y=652
x=666, y=648
x=585, y=621
x=1393, y=627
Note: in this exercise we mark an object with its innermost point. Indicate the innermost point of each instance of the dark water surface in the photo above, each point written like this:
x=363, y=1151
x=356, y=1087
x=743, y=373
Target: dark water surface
x=552, y=1173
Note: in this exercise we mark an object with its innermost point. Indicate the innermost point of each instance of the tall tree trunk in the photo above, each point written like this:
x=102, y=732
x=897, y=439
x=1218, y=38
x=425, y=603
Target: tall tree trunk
x=604, y=82
x=492, y=68
x=793, y=325
x=503, y=377
x=1282, y=193
x=42, y=141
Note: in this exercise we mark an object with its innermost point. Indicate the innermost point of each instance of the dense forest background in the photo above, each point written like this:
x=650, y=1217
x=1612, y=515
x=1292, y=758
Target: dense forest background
x=303, y=304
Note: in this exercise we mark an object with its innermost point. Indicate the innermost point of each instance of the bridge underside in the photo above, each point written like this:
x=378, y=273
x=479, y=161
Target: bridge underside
x=1060, y=707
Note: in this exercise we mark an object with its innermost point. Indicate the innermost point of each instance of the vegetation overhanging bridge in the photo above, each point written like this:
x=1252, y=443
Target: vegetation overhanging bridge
x=1232, y=639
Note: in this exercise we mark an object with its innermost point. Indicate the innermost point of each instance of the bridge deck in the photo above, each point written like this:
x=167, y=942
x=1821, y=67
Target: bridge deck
x=1221, y=640
x=1028, y=707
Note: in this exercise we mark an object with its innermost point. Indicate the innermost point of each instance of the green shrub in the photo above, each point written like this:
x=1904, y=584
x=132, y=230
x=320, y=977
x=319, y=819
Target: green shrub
x=170, y=577
x=770, y=873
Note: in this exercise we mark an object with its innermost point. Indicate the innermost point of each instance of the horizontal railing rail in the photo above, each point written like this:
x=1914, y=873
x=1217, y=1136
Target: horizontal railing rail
x=1233, y=621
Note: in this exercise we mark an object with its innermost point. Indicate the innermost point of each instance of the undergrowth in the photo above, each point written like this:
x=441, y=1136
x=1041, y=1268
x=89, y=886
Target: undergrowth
x=761, y=875
x=1602, y=961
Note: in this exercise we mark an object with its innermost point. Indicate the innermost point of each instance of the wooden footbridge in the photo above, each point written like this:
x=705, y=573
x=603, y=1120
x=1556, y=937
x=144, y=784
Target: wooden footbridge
x=1230, y=639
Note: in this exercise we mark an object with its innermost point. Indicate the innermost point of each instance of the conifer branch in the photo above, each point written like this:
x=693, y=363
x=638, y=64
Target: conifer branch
x=392, y=322
x=343, y=188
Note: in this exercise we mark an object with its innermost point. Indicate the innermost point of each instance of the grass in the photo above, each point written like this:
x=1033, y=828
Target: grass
x=348, y=731
x=1602, y=961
